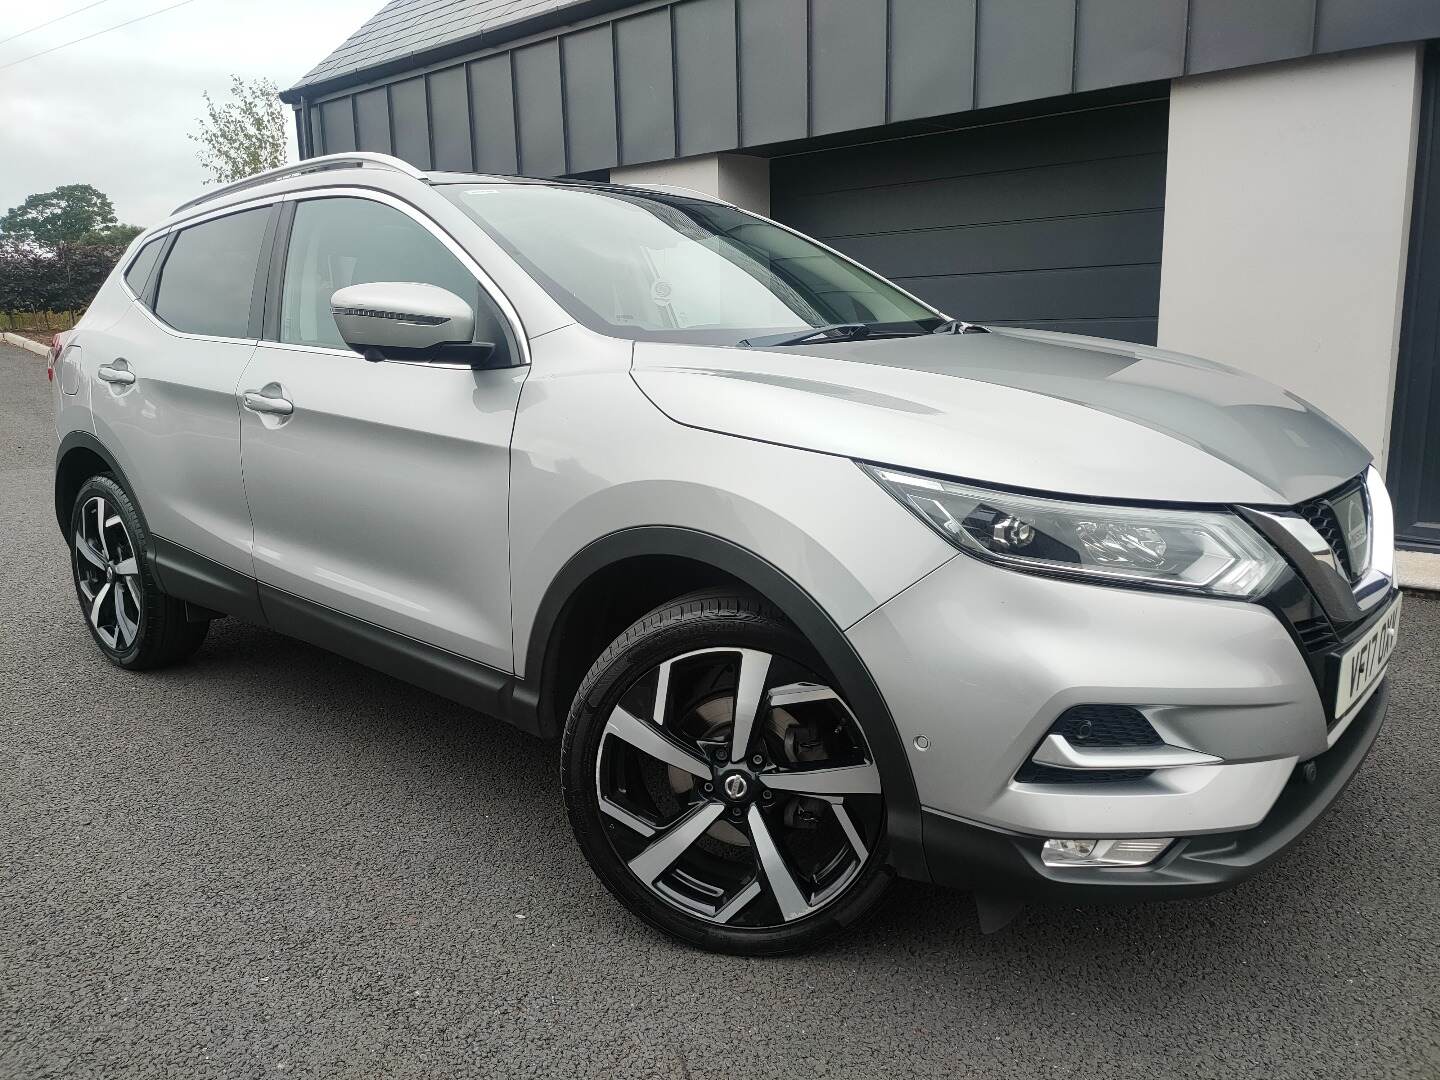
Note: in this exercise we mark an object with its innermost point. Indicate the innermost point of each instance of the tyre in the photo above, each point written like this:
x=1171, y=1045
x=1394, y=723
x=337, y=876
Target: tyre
x=719, y=785
x=133, y=622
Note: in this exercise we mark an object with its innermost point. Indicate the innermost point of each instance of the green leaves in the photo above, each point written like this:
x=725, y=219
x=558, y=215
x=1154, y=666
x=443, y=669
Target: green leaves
x=68, y=214
x=56, y=249
x=244, y=136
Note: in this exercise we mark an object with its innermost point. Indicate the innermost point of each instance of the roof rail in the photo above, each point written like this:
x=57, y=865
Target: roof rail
x=359, y=159
x=674, y=189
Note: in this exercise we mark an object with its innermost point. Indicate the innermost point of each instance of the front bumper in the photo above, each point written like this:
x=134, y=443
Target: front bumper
x=964, y=855
x=976, y=663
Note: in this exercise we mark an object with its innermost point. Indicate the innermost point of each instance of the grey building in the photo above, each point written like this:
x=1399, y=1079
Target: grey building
x=1256, y=181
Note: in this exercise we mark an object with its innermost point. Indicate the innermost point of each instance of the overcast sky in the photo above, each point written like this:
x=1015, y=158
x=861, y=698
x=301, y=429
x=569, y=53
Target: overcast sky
x=114, y=111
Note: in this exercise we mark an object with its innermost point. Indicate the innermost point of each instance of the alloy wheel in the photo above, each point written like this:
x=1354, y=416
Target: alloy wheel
x=738, y=788
x=108, y=574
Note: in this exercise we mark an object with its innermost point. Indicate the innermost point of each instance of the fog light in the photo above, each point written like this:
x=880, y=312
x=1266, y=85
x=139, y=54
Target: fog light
x=1059, y=852
x=1134, y=852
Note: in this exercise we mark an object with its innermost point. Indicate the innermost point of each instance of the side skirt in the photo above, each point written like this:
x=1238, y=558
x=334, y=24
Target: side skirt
x=204, y=583
x=197, y=580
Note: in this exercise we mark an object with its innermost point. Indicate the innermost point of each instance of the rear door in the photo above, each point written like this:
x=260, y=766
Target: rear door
x=164, y=403
x=383, y=492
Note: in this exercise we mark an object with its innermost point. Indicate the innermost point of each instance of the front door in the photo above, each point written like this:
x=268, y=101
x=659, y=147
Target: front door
x=382, y=492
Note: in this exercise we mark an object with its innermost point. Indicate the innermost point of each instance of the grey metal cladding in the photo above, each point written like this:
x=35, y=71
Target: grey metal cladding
x=450, y=119
x=492, y=107
x=654, y=79
x=589, y=61
x=317, y=129
x=647, y=87
x=1024, y=50
x=372, y=120
x=1120, y=42
x=411, y=122
x=932, y=46
x=847, y=65
x=339, y=123
x=706, y=94
x=774, y=69
x=1355, y=24
x=1235, y=33
x=541, y=113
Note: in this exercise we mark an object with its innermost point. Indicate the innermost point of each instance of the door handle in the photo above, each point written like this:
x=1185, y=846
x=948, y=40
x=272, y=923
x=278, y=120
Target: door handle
x=120, y=375
x=257, y=402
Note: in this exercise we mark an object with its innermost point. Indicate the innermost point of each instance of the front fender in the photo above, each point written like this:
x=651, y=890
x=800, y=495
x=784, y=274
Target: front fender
x=842, y=661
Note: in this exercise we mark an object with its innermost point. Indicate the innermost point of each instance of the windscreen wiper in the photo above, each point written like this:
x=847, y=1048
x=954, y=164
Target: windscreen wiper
x=843, y=331
x=959, y=326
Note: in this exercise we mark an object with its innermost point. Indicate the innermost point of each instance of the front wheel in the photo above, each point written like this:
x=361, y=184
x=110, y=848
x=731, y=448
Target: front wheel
x=720, y=785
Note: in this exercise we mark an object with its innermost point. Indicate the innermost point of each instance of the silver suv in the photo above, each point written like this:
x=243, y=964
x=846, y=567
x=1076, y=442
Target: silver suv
x=819, y=586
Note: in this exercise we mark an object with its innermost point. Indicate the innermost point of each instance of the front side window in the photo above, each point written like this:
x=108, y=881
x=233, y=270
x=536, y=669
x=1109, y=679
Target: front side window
x=670, y=268
x=336, y=242
x=209, y=275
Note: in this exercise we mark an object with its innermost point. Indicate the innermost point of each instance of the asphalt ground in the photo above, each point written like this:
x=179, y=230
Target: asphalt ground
x=272, y=861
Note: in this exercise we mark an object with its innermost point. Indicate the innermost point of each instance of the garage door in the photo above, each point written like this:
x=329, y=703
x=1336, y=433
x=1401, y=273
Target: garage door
x=1053, y=222
x=1414, y=475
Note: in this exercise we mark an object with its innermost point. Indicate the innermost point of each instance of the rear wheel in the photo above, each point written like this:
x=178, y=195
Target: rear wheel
x=134, y=623
x=720, y=785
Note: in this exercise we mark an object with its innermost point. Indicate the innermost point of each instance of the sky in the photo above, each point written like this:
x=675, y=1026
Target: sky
x=115, y=111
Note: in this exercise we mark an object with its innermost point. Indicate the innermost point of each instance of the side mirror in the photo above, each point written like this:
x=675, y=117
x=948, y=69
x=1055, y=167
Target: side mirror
x=406, y=320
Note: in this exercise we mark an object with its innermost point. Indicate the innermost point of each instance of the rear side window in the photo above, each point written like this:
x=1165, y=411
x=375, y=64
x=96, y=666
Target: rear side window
x=138, y=276
x=207, y=280
x=344, y=241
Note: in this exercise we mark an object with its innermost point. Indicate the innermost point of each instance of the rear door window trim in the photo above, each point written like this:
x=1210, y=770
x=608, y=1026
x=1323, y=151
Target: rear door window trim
x=172, y=231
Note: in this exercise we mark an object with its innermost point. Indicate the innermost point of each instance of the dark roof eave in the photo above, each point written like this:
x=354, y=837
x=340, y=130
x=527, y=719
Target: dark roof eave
x=536, y=24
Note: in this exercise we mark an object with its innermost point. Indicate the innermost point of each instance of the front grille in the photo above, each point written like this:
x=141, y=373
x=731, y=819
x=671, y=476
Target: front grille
x=1322, y=516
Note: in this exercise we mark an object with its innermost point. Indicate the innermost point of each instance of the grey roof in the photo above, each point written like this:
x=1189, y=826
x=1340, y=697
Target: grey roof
x=404, y=28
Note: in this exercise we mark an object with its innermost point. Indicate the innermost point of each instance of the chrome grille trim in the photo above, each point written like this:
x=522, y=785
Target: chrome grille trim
x=1324, y=515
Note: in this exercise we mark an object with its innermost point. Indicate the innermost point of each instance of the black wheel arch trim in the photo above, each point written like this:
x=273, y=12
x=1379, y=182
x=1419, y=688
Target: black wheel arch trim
x=902, y=801
x=84, y=440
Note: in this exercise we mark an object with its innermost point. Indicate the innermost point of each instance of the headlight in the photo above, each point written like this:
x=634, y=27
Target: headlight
x=1192, y=550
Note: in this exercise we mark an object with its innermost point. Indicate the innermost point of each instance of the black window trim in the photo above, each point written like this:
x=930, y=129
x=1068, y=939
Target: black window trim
x=163, y=240
x=262, y=264
x=275, y=266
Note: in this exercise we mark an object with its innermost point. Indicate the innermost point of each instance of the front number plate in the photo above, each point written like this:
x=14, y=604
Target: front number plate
x=1364, y=662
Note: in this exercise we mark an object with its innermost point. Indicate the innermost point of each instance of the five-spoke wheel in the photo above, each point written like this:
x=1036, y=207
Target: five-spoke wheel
x=108, y=574
x=130, y=617
x=732, y=784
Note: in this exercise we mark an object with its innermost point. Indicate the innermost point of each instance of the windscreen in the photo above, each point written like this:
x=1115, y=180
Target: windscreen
x=668, y=268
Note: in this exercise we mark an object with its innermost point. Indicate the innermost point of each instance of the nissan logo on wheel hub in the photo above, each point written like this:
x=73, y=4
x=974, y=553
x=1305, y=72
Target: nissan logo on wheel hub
x=736, y=786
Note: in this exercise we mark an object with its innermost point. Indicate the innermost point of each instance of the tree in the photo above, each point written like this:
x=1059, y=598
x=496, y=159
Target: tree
x=65, y=215
x=244, y=136
x=21, y=278
x=76, y=272
x=113, y=235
